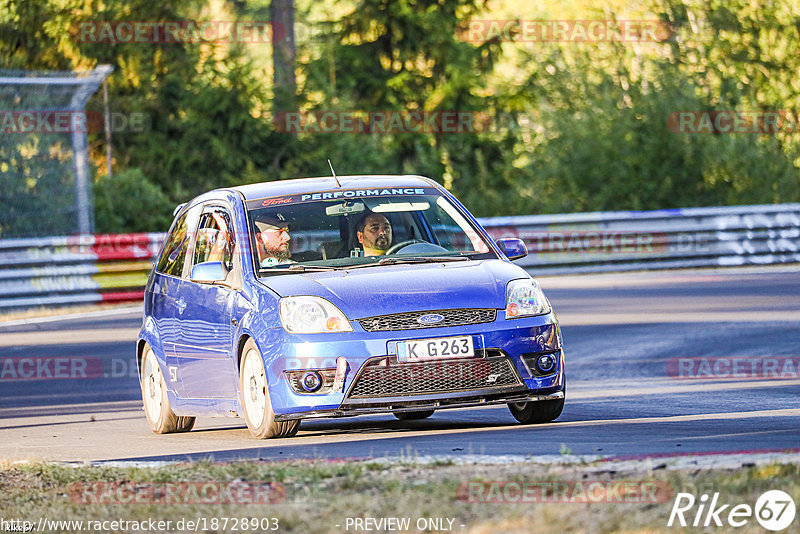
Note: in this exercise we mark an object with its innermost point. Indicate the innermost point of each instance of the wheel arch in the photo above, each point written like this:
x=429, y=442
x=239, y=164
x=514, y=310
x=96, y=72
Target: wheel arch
x=243, y=339
x=140, y=354
x=149, y=336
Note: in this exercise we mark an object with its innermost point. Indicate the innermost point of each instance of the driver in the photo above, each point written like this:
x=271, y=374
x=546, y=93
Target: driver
x=272, y=241
x=374, y=232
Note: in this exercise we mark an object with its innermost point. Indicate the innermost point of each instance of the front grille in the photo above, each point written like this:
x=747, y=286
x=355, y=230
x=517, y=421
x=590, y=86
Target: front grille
x=409, y=320
x=385, y=377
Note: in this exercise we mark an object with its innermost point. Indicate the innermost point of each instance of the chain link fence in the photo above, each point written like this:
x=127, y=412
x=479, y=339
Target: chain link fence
x=45, y=181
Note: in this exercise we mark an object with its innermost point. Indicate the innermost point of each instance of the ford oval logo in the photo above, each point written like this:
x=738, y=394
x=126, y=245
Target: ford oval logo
x=431, y=318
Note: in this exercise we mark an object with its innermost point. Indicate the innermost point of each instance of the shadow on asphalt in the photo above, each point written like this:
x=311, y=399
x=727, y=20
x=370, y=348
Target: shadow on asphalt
x=616, y=439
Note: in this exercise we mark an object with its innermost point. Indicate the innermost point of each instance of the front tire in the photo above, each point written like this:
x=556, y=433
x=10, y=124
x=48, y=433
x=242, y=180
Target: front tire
x=256, y=403
x=536, y=412
x=413, y=416
x=159, y=414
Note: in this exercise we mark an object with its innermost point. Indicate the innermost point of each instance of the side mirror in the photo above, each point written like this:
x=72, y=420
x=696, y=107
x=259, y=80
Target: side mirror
x=512, y=247
x=209, y=271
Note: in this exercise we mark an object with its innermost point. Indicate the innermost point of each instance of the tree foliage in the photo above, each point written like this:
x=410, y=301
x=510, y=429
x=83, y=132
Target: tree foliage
x=574, y=126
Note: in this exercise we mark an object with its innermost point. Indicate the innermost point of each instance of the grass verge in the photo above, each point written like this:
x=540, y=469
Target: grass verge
x=325, y=496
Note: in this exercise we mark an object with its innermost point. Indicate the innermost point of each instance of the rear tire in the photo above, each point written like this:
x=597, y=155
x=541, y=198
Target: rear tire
x=159, y=414
x=413, y=416
x=256, y=403
x=536, y=412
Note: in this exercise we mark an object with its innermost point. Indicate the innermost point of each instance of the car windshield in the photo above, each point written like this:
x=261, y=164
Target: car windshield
x=353, y=228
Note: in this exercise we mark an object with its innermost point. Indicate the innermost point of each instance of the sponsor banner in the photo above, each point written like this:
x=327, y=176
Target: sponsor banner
x=337, y=194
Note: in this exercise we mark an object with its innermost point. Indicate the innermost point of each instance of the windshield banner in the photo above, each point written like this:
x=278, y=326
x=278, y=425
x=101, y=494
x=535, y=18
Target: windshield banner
x=339, y=194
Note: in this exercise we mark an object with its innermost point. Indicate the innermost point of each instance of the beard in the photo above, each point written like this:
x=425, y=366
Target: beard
x=281, y=253
x=382, y=243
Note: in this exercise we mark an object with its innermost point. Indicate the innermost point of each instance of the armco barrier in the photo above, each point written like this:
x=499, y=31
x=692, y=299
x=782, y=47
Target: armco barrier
x=662, y=239
x=53, y=271
x=107, y=268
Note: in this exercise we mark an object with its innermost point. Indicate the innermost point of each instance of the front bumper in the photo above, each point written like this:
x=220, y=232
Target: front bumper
x=410, y=405
x=511, y=338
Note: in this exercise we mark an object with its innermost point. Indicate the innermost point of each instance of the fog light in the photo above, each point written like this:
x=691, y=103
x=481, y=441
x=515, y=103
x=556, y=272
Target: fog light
x=311, y=381
x=546, y=363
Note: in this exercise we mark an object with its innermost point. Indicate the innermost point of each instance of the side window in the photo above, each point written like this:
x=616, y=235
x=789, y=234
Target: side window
x=403, y=227
x=174, y=255
x=215, y=239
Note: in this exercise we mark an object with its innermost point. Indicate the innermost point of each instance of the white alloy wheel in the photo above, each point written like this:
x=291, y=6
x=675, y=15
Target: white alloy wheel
x=152, y=384
x=154, y=396
x=256, y=402
x=255, y=387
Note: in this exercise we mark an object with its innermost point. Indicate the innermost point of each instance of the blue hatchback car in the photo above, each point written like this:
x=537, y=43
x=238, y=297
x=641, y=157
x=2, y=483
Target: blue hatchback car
x=329, y=297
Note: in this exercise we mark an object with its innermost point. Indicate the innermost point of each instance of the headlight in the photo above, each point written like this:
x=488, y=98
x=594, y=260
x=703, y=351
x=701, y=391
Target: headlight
x=311, y=315
x=524, y=298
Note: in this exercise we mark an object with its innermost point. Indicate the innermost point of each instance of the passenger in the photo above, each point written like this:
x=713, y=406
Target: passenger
x=374, y=232
x=273, y=242
x=220, y=249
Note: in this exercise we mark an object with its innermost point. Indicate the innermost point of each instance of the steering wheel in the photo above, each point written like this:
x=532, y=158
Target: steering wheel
x=397, y=246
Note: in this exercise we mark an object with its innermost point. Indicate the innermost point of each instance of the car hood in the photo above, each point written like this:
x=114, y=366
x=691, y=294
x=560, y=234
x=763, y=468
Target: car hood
x=381, y=290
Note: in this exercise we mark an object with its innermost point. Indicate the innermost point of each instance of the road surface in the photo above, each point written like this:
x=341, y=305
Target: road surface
x=628, y=393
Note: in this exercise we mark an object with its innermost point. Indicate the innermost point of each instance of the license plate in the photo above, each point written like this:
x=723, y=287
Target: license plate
x=435, y=349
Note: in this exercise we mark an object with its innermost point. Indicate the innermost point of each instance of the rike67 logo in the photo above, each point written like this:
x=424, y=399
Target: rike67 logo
x=774, y=510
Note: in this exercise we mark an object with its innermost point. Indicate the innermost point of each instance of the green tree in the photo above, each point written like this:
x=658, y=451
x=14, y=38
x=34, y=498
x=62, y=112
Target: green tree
x=129, y=202
x=407, y=56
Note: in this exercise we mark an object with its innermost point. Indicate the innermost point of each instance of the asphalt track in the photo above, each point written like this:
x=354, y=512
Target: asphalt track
x=625, y=398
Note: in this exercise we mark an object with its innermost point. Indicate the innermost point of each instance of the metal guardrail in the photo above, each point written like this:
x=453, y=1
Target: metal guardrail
x=661, y=239
x=52, y=271
x=113, y=268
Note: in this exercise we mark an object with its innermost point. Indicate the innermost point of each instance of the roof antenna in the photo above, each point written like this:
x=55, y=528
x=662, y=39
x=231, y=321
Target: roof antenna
x=334, y=174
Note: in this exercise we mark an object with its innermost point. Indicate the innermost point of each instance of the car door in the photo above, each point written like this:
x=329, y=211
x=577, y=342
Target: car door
x=204, y=348
x=168, y=302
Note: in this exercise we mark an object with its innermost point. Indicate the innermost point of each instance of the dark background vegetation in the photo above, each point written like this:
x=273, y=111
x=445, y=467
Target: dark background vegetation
x=580, y=126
